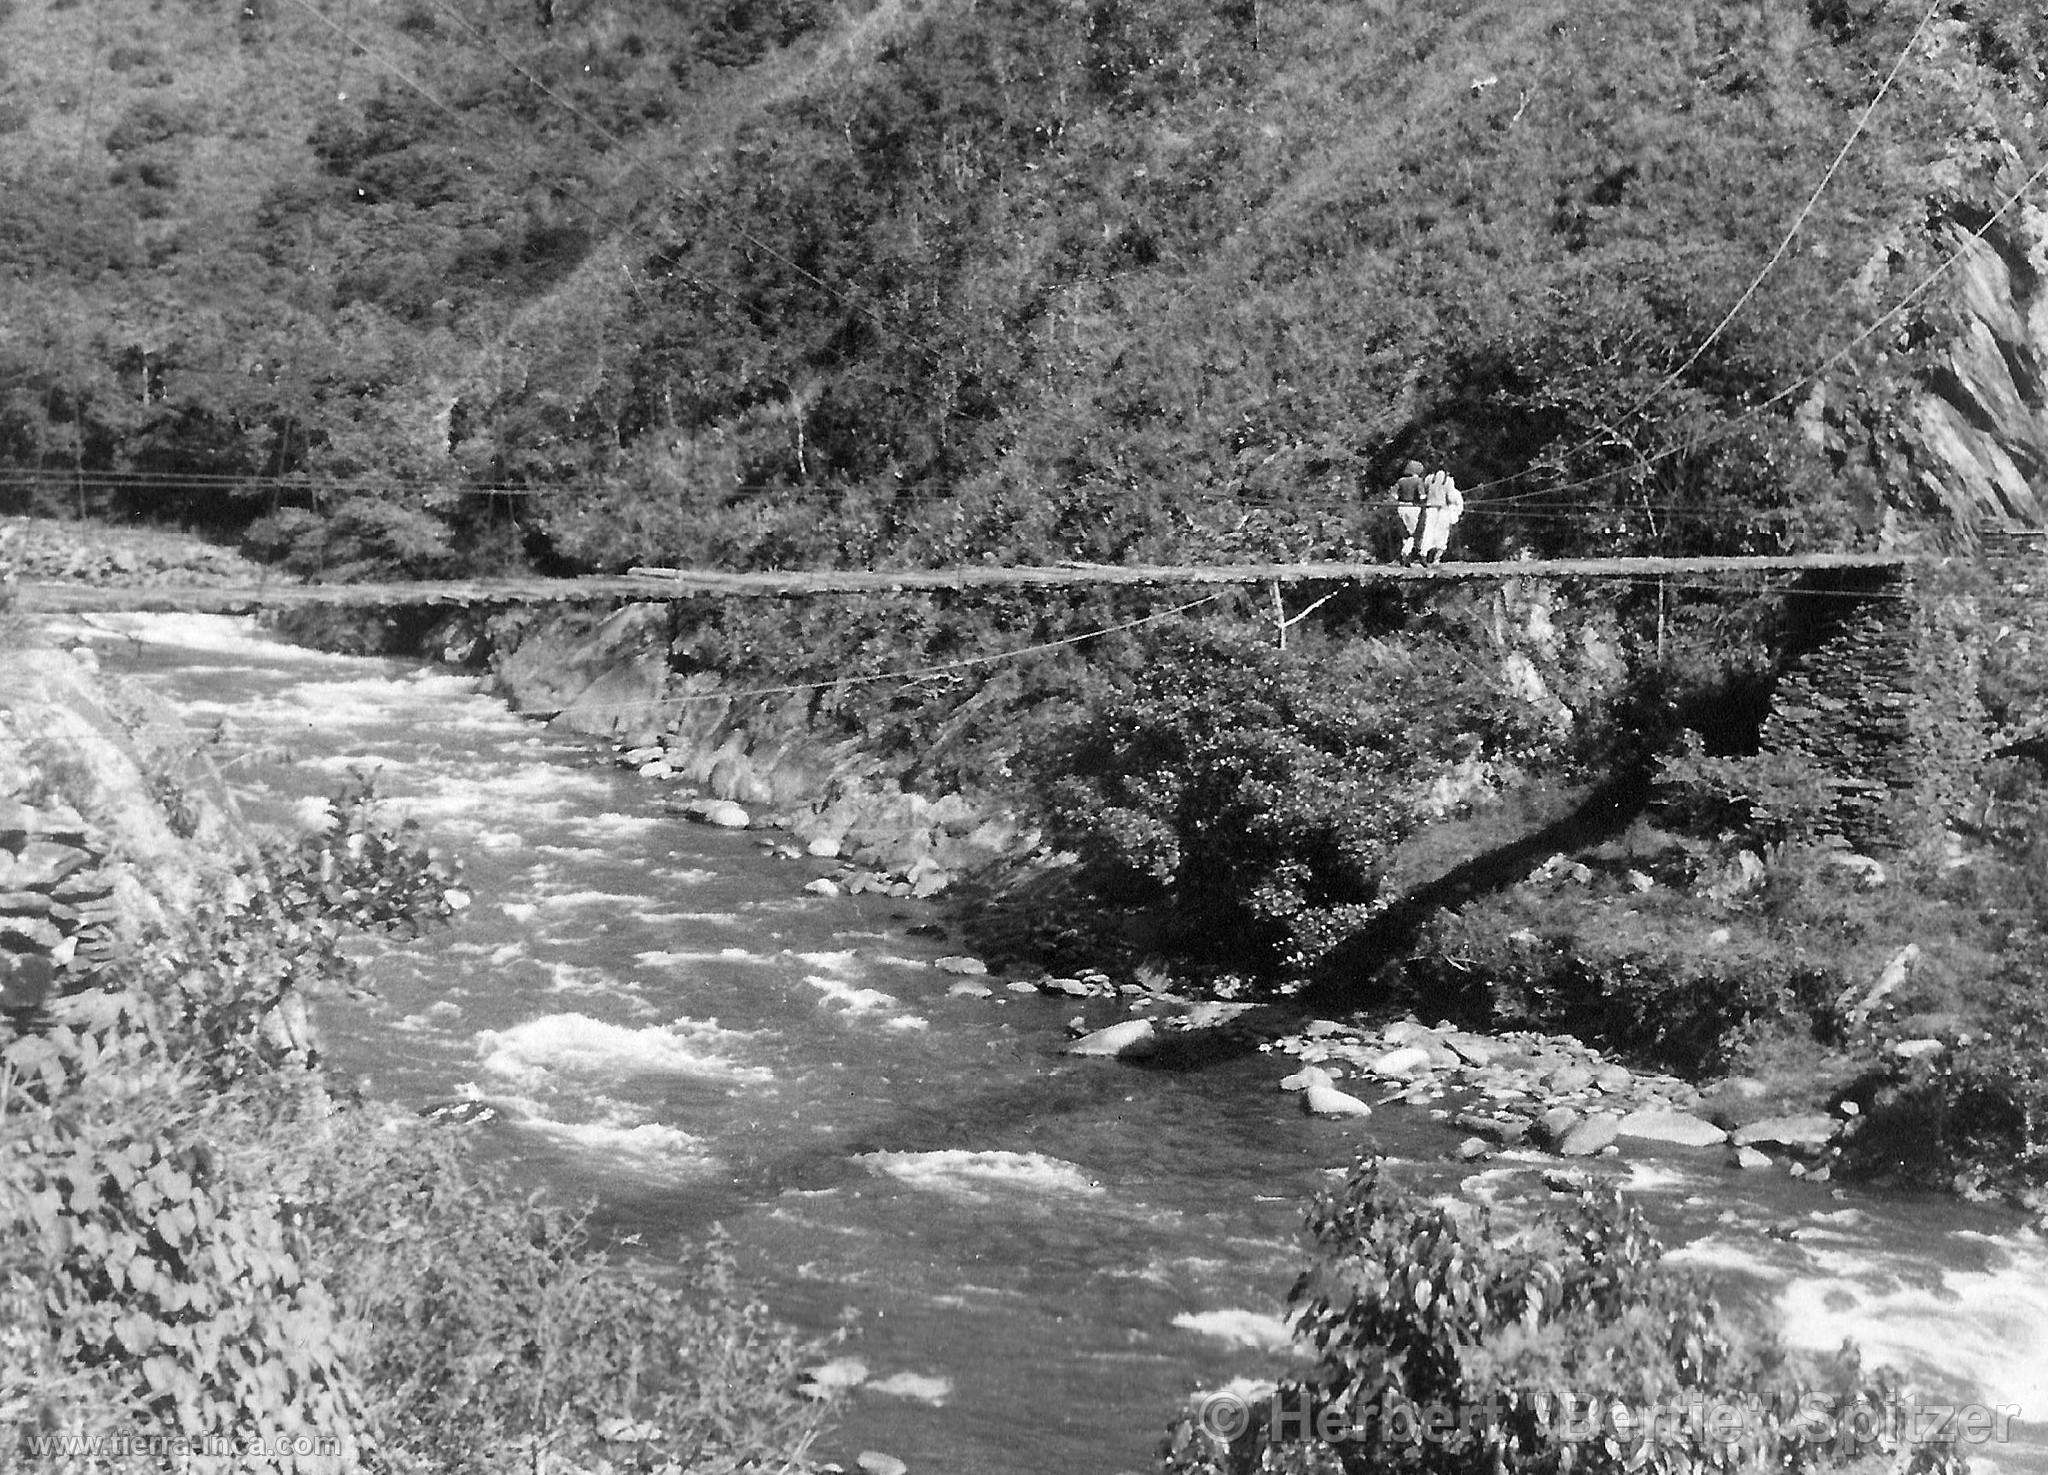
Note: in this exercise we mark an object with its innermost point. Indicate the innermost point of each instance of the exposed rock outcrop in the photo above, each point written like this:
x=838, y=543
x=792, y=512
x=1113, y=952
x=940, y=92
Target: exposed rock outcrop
x=1982, y=421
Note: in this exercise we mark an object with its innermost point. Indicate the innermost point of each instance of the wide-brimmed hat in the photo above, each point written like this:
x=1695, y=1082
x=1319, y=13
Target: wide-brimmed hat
x=1413, y=468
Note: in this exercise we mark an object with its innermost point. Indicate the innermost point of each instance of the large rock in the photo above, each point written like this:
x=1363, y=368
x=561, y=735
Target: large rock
x=606, y=677
x=1127, y=1041
x=1589, y=1135
x=1322, y=1098
x=1677, y=1127
x=1553, y=1124
x=1811, y=1130
x=1398, y=1064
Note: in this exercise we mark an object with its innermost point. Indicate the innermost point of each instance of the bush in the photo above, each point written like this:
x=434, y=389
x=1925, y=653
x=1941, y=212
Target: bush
x=1238, y=786
x=490, y=1327
x=1444, y=1344
x=1766, y=798
x=149, y=123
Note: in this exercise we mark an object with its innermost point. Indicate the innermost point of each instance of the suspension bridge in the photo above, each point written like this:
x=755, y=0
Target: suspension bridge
x=656, y=585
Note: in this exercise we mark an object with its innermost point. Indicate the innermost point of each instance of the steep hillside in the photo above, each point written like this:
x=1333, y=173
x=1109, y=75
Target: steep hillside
x=772, y=283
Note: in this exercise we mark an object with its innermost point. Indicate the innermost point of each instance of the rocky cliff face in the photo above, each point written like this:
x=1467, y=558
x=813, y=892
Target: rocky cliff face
x=1979, y=426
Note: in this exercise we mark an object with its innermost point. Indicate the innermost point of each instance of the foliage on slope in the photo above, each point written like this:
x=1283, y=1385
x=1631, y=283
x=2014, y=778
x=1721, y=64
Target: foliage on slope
x=769, y=282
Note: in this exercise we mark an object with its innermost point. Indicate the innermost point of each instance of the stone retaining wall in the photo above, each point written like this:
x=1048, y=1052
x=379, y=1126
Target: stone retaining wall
x=1880, y=693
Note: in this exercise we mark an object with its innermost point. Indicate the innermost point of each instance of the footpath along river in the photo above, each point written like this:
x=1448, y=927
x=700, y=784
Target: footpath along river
x=1044, y=1255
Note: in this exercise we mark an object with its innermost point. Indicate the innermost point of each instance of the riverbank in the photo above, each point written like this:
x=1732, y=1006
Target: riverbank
x=203, y=1238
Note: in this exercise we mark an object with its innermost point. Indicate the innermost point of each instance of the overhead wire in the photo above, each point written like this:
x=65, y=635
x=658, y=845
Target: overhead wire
x=1730, y=426
x=1785, y=244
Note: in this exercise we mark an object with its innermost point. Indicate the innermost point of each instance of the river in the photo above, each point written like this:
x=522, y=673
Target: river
x=1040, y=1256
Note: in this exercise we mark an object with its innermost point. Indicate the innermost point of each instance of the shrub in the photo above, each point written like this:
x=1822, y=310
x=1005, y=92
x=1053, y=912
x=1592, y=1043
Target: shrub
x=1444, y=1344
x=1238, y=785
x=1765, y=798
x=489, y=1324
x=149, y=123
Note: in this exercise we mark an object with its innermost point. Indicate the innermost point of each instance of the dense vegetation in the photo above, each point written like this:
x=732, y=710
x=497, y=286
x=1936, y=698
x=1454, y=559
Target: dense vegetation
x=751, y=283
x=1446, y=1343
x=199, y=1239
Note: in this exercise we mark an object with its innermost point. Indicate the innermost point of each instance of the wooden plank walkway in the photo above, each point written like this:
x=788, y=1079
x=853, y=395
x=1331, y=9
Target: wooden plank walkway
x=669, y=584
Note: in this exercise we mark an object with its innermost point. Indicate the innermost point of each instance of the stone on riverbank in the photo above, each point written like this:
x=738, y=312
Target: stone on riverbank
x=1588, y=1136
x=1811, y=1130
x=874, y=1462
x=1400, y=1063
x=961, y=964
x=1127, y=1041
x=722, y=813
x=823, y=886
x=1677, y=1127
x=1322, y=1098
x=824, y=847
x=1748, y=1159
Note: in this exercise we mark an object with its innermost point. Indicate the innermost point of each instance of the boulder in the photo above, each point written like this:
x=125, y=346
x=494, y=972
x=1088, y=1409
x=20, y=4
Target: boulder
x=1502, y=1131
x=823, y=847
x=1612, y=1078
x=1568, y=1078
x=961, y=964
x=1748, y=1159
x=874, y=1462
x=1406, y=1032
x=966, y=990
x=1809, y=1130
x=823, y=886
x=1399, y=1063
x=724, y=814
x=1474, y=1050
x=1127, y=1041
x=1474, y=1150
x=1588, y=1135
x=1680, y=1128
x=1320, y=1098
x=1554, y=1123
x=1917, y=1049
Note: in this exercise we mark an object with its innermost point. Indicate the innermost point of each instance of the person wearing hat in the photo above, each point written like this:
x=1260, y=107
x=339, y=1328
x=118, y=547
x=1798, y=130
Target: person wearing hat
x=1408, y=494
x=1442, y=505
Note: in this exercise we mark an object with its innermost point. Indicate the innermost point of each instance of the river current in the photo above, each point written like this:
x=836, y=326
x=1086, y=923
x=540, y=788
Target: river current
x=1041, y=1257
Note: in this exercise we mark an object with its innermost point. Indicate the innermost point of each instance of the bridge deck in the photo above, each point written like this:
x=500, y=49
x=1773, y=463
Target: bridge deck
x=665, y=584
